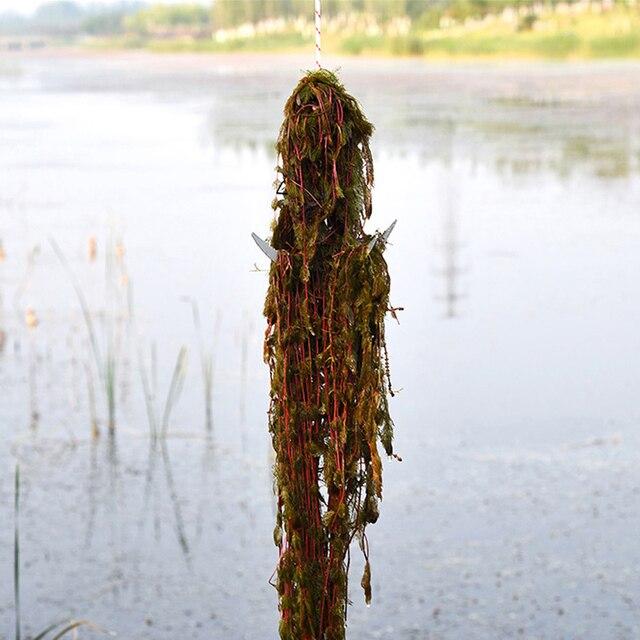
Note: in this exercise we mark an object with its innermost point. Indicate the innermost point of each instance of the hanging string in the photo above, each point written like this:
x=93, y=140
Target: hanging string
x=318, y=21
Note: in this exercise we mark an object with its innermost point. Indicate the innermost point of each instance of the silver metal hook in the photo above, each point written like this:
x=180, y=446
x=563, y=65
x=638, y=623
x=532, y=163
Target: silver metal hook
x=384, y=236
x=265, y=247
x=272, y=253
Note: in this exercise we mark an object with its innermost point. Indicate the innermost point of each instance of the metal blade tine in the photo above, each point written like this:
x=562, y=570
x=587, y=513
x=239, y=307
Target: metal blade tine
x=387, y=233
x=265, y=247
x=372, y=243
x=381, y=236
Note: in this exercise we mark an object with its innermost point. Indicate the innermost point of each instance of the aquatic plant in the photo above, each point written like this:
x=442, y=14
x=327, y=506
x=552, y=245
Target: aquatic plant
x=61, y=629
x=148, y=389
x=149, y=385
x=175, y=388
x=107, y=363
x=325, y=346
x=149, y=380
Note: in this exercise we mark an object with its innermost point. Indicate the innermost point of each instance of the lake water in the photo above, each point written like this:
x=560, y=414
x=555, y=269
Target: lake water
x=516, y=258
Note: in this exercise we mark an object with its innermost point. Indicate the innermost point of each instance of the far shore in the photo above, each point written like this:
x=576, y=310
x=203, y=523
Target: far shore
x=300, y=58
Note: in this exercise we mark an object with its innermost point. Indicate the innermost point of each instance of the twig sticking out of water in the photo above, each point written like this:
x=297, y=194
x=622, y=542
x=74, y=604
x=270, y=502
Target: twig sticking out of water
x=70, y=626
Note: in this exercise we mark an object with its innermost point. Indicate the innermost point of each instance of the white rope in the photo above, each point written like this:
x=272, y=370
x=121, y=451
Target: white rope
x=318, y=21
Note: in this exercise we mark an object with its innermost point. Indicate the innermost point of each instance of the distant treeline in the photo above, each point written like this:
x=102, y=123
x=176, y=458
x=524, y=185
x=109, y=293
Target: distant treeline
x=65, y=17
x=68, y=18
x=232, y=13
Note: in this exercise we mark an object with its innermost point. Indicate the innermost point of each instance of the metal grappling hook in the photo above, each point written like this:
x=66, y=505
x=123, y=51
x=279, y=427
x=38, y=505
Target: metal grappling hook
x=272, y=253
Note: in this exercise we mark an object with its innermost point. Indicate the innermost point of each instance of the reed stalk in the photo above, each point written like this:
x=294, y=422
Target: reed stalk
x=148, y=381
x=175, y=388
x=149, y=395
x=106, y=366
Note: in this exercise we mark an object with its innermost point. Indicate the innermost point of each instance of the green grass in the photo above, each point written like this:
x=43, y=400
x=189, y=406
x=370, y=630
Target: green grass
x=358, y=44
x=557, y=45
x=621, y=46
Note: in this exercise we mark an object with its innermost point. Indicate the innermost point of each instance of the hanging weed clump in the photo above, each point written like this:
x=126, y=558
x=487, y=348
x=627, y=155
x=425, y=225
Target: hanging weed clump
x=325, y=346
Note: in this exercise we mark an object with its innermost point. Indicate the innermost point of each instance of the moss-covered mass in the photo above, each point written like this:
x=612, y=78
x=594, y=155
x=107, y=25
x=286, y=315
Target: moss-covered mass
x=325, y=346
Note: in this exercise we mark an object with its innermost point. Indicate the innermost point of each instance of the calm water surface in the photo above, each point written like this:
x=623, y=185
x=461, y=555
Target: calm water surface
x=516, y=257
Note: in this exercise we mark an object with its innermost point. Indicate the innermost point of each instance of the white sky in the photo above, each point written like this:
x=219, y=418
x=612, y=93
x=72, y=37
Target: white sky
x=28, y=6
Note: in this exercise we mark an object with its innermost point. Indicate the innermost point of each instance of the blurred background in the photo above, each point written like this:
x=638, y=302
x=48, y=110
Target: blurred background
x=137, y=156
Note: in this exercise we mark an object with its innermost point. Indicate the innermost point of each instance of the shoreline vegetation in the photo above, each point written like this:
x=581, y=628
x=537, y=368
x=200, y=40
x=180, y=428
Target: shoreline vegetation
x=445, y=29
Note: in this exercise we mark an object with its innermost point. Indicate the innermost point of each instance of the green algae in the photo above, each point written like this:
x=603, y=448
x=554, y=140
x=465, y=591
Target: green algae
x=325, y=345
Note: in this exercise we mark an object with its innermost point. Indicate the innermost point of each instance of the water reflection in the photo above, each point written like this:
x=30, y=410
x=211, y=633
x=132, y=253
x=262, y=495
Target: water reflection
x=450, y=270
x=175, y=503
x=517, y=126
